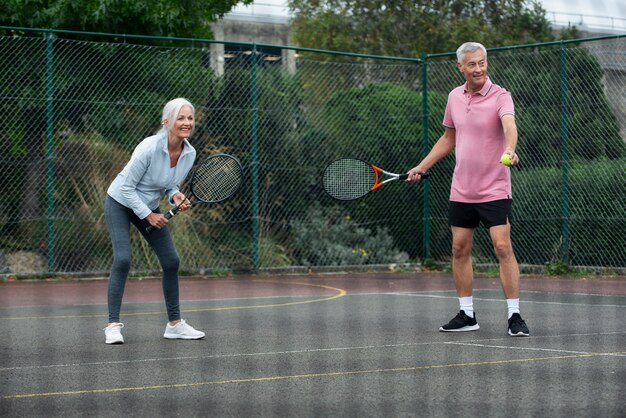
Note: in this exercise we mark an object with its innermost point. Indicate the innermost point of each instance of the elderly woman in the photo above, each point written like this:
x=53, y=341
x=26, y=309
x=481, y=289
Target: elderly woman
x=158, y=166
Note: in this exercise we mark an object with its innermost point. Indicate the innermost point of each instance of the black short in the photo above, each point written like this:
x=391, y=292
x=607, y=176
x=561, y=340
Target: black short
x=470, y=215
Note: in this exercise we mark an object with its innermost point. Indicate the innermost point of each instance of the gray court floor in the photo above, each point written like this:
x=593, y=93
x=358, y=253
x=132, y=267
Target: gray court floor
x=336, y=353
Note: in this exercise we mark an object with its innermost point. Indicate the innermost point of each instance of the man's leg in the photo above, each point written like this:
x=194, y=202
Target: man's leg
x=509, y=269
x=509, y=277
x=462, y=240
x=463, y=273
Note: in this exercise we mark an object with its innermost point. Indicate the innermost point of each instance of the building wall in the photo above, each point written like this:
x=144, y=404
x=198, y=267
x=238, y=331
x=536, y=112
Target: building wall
x=261, y=32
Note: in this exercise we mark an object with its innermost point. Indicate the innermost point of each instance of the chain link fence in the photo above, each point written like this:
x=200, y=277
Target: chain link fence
x=73, y=107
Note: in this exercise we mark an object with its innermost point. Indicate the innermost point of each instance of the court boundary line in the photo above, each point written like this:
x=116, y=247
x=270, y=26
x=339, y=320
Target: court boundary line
x=297, y=376
x=476, y=343
x=539, y=302
x=553, y=350
x=148, y=302
x=340, y=293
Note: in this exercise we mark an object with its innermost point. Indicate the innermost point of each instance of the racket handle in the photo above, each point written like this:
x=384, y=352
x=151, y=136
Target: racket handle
x=168, y=215
x=405, y=176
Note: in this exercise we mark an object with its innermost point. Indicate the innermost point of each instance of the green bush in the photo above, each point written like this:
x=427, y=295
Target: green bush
x=328, y=236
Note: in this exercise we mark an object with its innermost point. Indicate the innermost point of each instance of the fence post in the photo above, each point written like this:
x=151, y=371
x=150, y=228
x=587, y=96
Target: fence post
x=254, y=160
x=50, y=147
x=565, y=215
x=425, y=149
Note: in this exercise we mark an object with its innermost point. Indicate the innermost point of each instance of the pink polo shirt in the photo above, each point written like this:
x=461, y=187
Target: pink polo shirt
x=478, y=175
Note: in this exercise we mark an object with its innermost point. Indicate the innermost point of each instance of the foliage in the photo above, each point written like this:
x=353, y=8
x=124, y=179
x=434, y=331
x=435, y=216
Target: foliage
x=188, y=18
x=366, y=121
x=382, y=123
x=301, y=121
x=407, y=27
x=590, y=219
x=540, y=114
x=120, y=97
x=557, y=268
x=329, y=236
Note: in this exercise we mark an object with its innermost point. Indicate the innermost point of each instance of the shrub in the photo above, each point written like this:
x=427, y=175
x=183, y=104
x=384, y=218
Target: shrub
x=328, y=236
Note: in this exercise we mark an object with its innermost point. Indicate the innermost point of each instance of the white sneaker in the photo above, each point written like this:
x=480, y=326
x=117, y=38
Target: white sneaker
x=113, y=333
x=182, y=331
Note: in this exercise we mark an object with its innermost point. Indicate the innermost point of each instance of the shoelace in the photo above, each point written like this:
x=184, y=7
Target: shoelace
x=117, y=326
x=518, y=321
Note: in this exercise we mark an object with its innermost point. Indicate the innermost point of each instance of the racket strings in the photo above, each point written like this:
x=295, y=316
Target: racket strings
x=349, y=179
x=216, y=179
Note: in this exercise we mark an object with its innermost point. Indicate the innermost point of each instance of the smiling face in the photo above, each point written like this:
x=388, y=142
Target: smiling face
x=183, y=125
x=474, y=69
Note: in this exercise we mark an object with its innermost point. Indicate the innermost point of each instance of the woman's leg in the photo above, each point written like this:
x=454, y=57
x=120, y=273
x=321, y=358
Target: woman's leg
x=161, y=242
x=118, y=220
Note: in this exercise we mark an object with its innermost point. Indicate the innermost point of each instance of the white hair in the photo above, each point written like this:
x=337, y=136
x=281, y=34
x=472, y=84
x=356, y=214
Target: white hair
x=171, y=111
x=469, y=47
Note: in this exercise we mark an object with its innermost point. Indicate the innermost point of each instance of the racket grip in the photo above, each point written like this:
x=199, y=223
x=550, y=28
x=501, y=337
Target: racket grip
x=405, y=176
x=168, y=215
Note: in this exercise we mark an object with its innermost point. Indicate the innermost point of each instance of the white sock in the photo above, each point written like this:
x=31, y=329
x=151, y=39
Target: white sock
x=467, y=305
x=513, y=306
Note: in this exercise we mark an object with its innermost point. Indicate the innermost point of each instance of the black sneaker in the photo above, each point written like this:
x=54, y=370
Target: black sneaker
x=517, y=326
x=460, y=322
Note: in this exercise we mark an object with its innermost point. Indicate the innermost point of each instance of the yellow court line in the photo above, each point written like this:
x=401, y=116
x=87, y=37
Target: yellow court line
x=302, y=376
x=340, y=293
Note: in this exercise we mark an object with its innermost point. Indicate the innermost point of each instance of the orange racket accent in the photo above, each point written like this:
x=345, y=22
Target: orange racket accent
x=378, y=183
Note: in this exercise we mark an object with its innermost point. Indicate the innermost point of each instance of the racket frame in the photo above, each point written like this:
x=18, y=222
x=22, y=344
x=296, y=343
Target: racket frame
x=173, y=211
x=378, y=172
x=392, y=177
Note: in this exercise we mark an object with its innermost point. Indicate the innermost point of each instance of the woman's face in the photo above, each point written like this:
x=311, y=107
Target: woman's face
x=184, y=123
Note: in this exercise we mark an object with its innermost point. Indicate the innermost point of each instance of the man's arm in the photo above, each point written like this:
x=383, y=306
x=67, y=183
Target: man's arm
x=442, y=147
x=510, y=137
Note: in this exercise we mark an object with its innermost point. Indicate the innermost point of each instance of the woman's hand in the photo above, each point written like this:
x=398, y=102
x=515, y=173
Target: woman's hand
x=157, y=220
x=180, y=199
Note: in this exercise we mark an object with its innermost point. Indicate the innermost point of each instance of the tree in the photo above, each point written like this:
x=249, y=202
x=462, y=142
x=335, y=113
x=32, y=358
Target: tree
x=184, y=18
x=409, y=27
x=105, y=69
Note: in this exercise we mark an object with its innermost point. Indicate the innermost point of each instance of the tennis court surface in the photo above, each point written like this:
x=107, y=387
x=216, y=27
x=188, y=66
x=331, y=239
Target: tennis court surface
x=359, y=344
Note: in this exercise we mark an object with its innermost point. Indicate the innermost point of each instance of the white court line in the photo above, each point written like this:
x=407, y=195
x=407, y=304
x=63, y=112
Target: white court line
x=525, y=301
x=553, y=350
x=330, y=349
x=218, y=356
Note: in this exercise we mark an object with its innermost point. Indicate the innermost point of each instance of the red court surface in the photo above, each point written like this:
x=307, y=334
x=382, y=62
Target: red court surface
x=62, y=292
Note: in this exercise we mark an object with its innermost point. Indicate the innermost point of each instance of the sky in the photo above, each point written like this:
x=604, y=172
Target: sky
x=614, y=8
x=595, y=13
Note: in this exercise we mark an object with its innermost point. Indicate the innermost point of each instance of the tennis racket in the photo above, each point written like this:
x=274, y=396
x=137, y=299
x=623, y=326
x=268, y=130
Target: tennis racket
x=214, y=180
x=351, y=178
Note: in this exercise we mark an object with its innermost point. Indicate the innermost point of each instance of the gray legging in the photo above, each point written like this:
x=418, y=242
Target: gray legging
x=118, y=219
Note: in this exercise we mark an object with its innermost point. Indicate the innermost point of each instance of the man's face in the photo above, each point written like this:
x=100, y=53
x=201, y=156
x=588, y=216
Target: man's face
x=474, y=69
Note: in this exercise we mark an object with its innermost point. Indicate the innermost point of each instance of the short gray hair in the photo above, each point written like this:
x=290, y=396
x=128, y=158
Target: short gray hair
x=172, y=109
x=469, y=47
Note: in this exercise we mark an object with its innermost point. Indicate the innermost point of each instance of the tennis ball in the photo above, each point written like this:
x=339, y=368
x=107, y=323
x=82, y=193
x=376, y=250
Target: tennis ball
x=506, y=160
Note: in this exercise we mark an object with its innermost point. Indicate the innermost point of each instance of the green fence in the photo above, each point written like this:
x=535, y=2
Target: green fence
x=73, y=106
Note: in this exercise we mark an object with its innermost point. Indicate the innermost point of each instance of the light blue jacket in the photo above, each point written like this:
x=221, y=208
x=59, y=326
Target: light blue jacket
x=145, y=178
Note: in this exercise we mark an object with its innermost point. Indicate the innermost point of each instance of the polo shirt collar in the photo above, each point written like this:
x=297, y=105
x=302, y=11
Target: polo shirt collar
x=485, y=90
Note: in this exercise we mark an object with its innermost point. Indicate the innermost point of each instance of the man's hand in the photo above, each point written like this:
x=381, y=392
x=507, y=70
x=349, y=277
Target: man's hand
x=514, y=157
x=415, y=174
